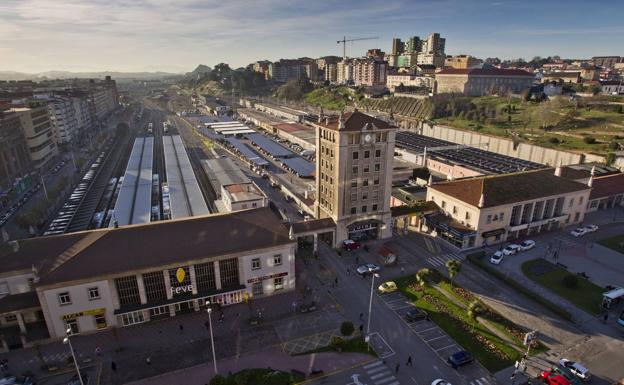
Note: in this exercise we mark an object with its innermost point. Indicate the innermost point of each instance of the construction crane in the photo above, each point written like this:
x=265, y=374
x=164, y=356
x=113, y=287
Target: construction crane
x=345, y=40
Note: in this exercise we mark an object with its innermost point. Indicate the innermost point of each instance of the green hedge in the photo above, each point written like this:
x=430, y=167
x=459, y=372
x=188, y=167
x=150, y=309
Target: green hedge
x=477, y=260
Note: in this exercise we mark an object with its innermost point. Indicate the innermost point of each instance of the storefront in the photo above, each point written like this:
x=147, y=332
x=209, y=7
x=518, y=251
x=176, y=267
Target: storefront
x=453, y=232
x=364, y=230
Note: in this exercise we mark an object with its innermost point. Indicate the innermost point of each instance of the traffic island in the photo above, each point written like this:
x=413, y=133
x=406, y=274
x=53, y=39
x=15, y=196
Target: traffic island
x=574, y=288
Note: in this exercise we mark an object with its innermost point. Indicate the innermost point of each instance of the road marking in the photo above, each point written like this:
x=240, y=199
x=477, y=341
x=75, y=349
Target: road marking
x=446, y=347
x=379, y=375
x=431, y=328
x=435, y=338
x=391, y=378
x=377, y=369
x=376, y=363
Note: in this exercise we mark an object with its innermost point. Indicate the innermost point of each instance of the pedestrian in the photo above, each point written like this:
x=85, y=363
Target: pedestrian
x=294, y=306
x=98, y=351
x=148, y=361
x=348, y=271
x=207, y=325
x=113, y=366
x=181, y=328
x=409, y=361
x=396, y=368
x=336, y=281
x=402, y=270
x=221, y=317
x=361, y=316
x=361, y=328
x=606, y=317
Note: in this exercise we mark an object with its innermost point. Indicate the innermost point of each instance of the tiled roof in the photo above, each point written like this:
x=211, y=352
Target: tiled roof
x=293, y=127
x=355, y=121
x=22, y=301
x=604, y=186
x=509, y=188
x=313, y=225
x=484, y=72
x=113, y=251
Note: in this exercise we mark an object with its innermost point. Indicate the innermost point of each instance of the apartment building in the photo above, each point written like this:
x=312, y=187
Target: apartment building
x=37, y=129
x=482, y=81
x=494, y=209
x=104, y=278
x=354, y=154
x=14, y=156
x=344, y=71
x=287, y=69
x=369, y=72
x=62, y=116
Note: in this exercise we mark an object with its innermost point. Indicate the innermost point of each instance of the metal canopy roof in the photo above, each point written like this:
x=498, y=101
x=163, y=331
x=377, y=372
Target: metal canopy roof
x=247, y=152
x=134, y=201
x=300, y=166
x=269, y=146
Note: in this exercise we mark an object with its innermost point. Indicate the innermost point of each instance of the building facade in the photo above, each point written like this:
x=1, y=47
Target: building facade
x=482, y=81
x=14, y=157
x=344, y=71
x=488, y=210
x=354, y=175
x=461, y=61
x=37, y=128
x=369, y=72
x=407, y=80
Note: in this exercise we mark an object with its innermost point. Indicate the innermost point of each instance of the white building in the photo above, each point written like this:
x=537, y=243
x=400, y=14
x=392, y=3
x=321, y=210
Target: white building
x=344, y=71
x=408, y=80
x=242, y=196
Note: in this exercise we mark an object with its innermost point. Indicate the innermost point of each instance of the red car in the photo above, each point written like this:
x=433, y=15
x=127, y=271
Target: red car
x=350, y=245
x=552, y=378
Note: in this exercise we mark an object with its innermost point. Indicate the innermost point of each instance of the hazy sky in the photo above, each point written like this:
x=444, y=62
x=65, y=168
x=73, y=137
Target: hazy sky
x=176, y=35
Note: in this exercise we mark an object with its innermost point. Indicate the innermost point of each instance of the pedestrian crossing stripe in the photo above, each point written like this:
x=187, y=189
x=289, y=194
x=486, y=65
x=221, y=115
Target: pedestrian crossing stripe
x=440, y=260
x=479, y=381
x=376, y=363
x=379, y=375
x=377, y=369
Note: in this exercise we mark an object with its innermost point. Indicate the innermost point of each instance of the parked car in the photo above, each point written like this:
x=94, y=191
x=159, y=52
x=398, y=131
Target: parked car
x=460, y=358
x=552, y=378
x=527, y=245
x=590, y=228
x=368, y=268
x=497, y=258
x=511, y=249
x=440, y=381
x=387, y=287
x=415, y=314
x=350, y=245
x=576, y=368
x=567, y=374
x=578, y=232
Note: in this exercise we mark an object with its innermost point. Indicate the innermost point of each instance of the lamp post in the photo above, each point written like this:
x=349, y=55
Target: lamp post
x=214, y=356
x=370, y=307
x=67, y=341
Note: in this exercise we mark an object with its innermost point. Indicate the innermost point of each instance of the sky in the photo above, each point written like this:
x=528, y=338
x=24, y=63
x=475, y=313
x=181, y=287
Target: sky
x=177, y=35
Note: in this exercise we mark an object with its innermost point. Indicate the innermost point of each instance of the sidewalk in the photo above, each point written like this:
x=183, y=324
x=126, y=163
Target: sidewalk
x=273, y=358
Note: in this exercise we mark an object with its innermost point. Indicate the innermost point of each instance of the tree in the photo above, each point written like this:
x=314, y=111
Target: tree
x=422, y=277
x=589, y=140
x=453, y=266
x=473, y=310
x=122, y=129
x=346, y=328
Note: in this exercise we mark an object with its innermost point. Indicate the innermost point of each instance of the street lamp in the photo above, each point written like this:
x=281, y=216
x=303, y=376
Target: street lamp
x=214, y=356
x=370, y=306
x=67, y=341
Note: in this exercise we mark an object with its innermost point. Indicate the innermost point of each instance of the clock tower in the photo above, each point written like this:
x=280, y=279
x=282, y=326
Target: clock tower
x=354, y=154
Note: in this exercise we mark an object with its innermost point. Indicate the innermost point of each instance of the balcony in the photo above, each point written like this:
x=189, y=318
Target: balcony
x=538, y=223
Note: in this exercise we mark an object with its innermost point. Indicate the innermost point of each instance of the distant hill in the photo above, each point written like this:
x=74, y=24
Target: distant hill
x=13, y=75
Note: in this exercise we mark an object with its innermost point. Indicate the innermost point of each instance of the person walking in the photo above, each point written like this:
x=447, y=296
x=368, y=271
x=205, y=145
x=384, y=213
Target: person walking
x=148, y=361
x=361, y=328
x=396, y=368
x=336, y=281
x=361, y=316
x=409, y=361
x=181, y=328
x=113, y=366
x=348, y=271
x=606, y=317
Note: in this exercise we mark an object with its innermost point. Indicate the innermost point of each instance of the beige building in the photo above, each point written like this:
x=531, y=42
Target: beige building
x=461, y=61
x=37, y=129
x=493, y=209
x=369, y=72
x=408, y=80
x=242, y=196
x=354, y=175
x=482, y=81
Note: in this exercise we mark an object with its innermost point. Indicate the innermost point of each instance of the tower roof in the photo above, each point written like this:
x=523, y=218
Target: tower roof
x=355, y=121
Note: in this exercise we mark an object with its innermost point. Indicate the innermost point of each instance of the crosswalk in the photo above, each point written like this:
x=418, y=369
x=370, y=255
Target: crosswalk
x=480, y=381
x=378, y=374
x=440, y=260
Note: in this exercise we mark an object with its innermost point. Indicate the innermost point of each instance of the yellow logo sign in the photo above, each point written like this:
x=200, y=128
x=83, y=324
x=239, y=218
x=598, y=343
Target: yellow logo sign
x=180, y=274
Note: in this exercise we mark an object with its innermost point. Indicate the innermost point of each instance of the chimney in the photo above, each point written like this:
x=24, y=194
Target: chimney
x=341, y=122
x=481, y=201
x=291, y=234
x=593, y=170
x=430, y=182
x=558, y=169
x=590, y=182
x=451, y=176
x=327, y=121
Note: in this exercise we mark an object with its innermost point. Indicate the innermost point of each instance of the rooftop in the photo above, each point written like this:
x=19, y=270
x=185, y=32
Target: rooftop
x=116, y=251
x=355, y=121
x=509, y=188
x=608, y=185
x=485, y=72
x=242, y=192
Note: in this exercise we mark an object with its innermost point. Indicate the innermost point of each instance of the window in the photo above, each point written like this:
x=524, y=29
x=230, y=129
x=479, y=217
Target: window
x=467, y=215
x=278, y=283
x=366, y=154
x=364, y=196
x=128, y=290
x=10, y=318
x=501, y=216
x=365, y=182
x=72, y=325
x=353, y=210
x=376, y=181
x=364, y=209
x=94, y=293
x=255, y=264
x=366, y=168
x=159, y=311
x=64, y=298
x=154, y=283
x=277, y=260
x=356, y=155
x=257, y=288
x=229, y=272
x=135, y=317
x=454, y=209
x=576, y=217
x=580, y=201
x=100, y=321
x=355, y=170
x=374, y=207
x=4, y=289
x=489, y=219
x=594, y=204
x=377, y=153
x=377, y=166
x=571, y=202
x=443, y=204
x=354, y=183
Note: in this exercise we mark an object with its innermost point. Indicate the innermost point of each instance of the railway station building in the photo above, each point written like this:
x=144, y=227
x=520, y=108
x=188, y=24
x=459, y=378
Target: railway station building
x=116, y=277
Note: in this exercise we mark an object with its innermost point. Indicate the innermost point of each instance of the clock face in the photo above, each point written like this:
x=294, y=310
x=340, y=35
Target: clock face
x=367, y=138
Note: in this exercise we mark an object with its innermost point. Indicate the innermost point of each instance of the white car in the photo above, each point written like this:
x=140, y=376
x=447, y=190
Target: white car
x=368, y=268
x=440, y=381
x=576, y=368
x=590, y=228
x=527, y=245
x=511, y=249
x=578, y=232
x=496, y=258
